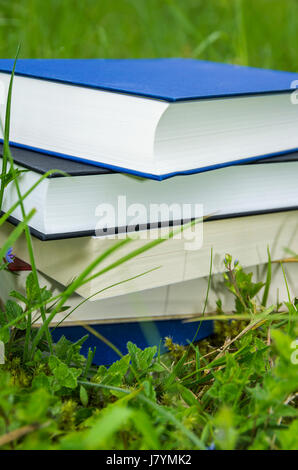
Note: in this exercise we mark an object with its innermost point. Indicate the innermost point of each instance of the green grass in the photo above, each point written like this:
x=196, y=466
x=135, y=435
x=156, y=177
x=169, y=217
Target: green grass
x=262, y=33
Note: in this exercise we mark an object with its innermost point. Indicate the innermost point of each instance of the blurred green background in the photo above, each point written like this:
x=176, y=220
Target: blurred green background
x=261, y=33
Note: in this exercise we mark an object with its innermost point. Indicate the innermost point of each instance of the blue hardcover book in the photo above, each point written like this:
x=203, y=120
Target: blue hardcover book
x=143, y=334
x=151, y=117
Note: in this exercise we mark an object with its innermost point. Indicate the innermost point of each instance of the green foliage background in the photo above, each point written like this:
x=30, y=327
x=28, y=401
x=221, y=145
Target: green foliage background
x=262, y=33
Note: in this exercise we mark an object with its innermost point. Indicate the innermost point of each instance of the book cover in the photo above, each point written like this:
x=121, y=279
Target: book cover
x=154, y=118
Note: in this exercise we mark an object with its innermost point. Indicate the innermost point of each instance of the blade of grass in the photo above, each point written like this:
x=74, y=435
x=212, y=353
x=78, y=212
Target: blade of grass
x=268, y=280
x=240, y=317
x=207, y=295
x=139, y=251
x=176, y=371
x=7, y=154
x=291, y=307
x=101, y=338
x=286, y=283
x=15, y=234
x=5, y=216
x=6, y=131
x=103, y=290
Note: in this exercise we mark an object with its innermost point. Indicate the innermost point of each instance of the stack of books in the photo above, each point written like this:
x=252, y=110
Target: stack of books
x=140, y=148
